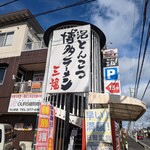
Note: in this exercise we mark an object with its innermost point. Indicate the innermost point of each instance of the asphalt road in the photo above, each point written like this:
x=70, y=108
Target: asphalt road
x=146, y=141
x=133, y=145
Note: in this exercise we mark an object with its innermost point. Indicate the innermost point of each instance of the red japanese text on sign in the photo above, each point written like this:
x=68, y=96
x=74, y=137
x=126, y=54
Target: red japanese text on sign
x=55, y=80
x=42, y=136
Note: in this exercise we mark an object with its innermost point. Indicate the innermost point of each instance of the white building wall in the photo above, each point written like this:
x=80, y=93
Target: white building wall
x=21, y=34
x=17, y=42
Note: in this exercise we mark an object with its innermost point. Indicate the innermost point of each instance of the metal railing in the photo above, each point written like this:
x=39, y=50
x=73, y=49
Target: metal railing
x=76, y=110
x=34, y=45
x=23, y=87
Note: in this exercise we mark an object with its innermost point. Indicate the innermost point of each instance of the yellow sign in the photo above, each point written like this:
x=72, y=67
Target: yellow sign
x=45, y=110
x=43, y=122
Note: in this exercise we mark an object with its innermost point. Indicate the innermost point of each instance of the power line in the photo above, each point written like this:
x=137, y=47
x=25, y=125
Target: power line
x=8, y=3
x=143, y=58
x=145, y=90
x=64, y=7
x=60, y=8
x=138, y=66
x=54, y=10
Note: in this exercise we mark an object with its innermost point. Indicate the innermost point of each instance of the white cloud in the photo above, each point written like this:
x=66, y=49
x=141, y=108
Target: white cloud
x=115, y=19
x=144, y=121
x=127, y=70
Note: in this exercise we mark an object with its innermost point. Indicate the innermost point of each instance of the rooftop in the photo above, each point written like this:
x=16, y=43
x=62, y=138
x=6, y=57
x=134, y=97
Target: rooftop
x=20, y=16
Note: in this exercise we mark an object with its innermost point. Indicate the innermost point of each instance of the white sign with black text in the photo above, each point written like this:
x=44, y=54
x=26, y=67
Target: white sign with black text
x=25, y=102
x=69, y=69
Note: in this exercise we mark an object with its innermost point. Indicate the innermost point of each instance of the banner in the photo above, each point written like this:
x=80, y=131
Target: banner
x=70, y=60
x=25, y=102
x=45, y=132
x=98, y=129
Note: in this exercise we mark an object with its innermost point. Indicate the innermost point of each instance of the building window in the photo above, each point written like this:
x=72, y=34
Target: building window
x=39, y=76
x=2, y=74
x=6, y=38
x=29, y=43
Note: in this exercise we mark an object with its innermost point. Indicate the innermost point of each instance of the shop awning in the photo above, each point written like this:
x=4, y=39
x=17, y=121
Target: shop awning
x=121, y=107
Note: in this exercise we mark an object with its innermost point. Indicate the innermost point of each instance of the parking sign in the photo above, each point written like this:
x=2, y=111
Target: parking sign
x=111, y=73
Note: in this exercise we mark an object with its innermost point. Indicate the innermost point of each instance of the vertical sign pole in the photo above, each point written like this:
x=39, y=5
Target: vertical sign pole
x=83, y=135
x=46, y=71
x=113, y=131
x=66, y=127
x=113, y=134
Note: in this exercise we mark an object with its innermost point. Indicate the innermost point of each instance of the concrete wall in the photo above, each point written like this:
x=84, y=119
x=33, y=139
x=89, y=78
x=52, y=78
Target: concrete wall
x=17, y=43
x=21, y=34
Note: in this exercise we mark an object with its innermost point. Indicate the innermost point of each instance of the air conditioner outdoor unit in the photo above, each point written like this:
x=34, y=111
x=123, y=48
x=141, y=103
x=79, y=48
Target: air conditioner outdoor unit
x=25, y=145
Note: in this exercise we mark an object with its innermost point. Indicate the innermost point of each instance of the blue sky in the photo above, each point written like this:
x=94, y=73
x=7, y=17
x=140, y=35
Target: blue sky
x=120, y=20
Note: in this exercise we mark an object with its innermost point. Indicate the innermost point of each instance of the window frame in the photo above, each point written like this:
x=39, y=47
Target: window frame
x=6, y=35
x=4, y=74
x=30, y=42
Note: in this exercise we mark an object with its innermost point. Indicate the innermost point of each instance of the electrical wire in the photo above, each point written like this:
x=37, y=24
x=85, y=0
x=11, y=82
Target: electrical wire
x=54, y=10
x=145, y=90
x=140, y=51
x=64, y=7
x=138, y=75
x=143, y=58
x=8, y=3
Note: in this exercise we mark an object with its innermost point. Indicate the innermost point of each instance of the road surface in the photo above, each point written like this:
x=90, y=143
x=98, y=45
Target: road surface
x=133, y=145
x=146, y=141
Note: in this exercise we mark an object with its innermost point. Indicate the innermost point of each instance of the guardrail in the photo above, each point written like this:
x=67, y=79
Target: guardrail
x=34, y=45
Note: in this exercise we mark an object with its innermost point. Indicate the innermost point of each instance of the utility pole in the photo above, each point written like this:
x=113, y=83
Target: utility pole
x=131, y=90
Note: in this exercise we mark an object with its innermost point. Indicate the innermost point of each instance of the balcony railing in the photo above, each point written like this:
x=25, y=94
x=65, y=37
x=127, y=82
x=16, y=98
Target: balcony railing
x=34, y=45
x=23, y=87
